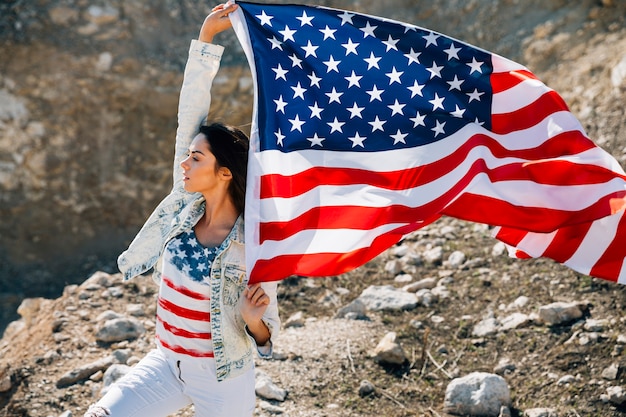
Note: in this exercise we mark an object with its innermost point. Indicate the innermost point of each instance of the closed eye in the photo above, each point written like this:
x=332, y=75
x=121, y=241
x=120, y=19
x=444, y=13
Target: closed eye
x=193, y=155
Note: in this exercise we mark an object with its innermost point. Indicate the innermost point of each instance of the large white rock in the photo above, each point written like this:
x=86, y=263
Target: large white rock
x=387, y=297
x=477, y=394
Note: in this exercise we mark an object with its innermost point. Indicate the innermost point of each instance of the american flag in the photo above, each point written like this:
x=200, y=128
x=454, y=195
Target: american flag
x=366, y=129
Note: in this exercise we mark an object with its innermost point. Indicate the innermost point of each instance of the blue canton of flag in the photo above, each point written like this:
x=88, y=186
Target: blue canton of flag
x=403, y=87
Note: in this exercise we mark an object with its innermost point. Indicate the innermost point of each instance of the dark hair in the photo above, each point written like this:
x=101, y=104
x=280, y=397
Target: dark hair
x=230, y=146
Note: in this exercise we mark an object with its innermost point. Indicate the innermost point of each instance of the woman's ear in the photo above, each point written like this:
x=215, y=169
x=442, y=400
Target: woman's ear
x=225, y=173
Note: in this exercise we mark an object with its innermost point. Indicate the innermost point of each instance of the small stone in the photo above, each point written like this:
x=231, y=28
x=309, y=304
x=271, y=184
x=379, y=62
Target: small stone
x=136, y=310
x=561, y=312
x=270, y=408
x=400, y=251
x=108, y=315
x=540, y=412
x=498, y=249
x=616, y=395
x=505, y=366
x=433, y=256
x=402, y=278
x=425, y=297
x=618, y=74
x=567, y=379
x=356, y=310
x=112, y=374
x=611, y=372
x=265, y=388
x=5, y=383
x=426, y=283
x=486, y=327
x=366, y=388
x=295, y=320
x=456, y=259
x=97, y=377
x=386, y=297
x=119, y=329
x=388, y=351
x=593, y=325
x=394, y=267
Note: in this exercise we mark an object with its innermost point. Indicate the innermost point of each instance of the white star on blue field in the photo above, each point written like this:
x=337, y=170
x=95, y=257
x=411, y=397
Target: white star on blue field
x=190, y=257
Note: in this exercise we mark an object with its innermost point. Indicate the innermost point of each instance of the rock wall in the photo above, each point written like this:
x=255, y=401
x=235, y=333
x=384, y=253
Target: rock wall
x=88, y=96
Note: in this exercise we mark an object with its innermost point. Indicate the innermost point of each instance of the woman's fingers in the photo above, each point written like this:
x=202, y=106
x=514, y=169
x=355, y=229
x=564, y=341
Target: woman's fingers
x=256, y=295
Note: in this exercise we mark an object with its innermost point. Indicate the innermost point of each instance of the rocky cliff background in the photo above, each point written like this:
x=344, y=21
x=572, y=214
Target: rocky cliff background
x=88, y=96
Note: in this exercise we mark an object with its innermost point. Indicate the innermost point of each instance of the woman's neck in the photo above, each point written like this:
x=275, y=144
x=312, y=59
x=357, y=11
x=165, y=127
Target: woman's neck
x=217, y=222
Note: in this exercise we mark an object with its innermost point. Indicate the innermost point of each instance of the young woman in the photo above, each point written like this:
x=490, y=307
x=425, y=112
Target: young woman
x=208, y=318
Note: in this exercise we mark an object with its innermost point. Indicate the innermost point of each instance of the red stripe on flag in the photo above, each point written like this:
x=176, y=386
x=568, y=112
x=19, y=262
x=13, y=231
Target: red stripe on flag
x=528, y=116
x=184, y=312
x=283, y=186
x=327, y=264
x=467, y=206
x=609, y=265
x=350, y=218
x=566, y=241
x=346, y=217
x=489, y=210
x=510, y=236
x=552, y=172
x=504, y=80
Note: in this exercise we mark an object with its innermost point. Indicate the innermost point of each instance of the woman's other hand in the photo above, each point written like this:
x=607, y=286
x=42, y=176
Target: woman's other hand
x=217, y=21
x=253, y=304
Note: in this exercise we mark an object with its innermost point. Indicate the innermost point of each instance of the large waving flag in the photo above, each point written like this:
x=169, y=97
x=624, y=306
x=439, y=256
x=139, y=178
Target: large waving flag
x=366, y=129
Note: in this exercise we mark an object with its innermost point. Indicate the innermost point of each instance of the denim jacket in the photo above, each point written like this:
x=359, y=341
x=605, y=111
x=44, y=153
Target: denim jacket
x=180, y=211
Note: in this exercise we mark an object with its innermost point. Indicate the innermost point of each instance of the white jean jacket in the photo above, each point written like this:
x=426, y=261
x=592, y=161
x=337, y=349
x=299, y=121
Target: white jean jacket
x=180, y=211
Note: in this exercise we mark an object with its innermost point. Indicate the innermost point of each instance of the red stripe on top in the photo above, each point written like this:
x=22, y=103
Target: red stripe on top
x=185, y=291
x=528, y=116
x=504, y=80
x=176, y=331
x=183, y=351
x=184, y=312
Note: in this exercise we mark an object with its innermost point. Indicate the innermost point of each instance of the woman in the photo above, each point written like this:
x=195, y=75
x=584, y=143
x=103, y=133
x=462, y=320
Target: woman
x=208, y=318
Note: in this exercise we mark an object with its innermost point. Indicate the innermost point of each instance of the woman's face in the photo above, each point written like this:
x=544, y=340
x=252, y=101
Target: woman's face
x=200, y=173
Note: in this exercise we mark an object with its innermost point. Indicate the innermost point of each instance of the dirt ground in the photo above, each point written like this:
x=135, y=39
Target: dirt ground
x=323, y=363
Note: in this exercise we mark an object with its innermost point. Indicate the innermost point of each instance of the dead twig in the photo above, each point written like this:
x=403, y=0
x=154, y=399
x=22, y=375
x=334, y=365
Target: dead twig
x=350, y=357
x=390, y=397
x=424, y=350
x=439, y=367
x=433, y=412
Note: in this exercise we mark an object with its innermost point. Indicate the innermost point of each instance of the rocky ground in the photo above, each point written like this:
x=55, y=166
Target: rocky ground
x=53, y=360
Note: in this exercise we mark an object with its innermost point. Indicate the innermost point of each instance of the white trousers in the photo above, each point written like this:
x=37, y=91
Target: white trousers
x=163, y=383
